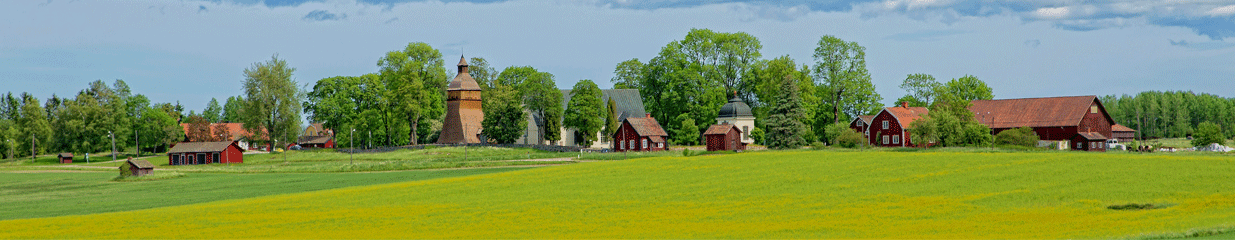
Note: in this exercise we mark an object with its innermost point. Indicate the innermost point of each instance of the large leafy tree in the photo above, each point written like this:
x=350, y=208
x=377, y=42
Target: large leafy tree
x=785, y=130
x=34, y=129
x=583, y=112
x=158, y=129
x=484, y=74
x=1208, y=133
x=844, y=82
x=540, y=96
x=198, y=130
x=628, y=74
x=768, y=75
x=967, y=88
x=272, y=101
x=213, y=112
x=504, y=117
x=346, y=103
x=232, y=108
x=688, y=132
x=921, y=89
x=415, y=79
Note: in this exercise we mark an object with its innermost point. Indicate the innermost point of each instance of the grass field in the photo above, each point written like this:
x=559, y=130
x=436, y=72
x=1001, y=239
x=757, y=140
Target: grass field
x=794, y=194
x=49, y=194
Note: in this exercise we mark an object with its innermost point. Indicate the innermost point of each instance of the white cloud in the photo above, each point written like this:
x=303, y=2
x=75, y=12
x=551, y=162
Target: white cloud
x=1053, y=13
x=1222, y=11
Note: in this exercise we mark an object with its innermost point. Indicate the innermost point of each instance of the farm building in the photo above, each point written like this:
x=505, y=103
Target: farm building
x=861, y=124
x=463, y=113
x=1123, y=133
x=628, y=102
x=891, y=125
x=737, y=113
x=1074, y=122
x=724, y=137
x=640, y=134
x=188, y=153
x=65, y=157
x=237, y=133
x=316, y=136
x=138, y=167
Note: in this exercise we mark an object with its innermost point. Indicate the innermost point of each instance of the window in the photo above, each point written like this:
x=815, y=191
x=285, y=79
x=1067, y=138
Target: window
x=896, y=139
x=660, y=145
x=631, y=145
x=621, y=144
x=216, y=157
x=885, y=140
x=746, y=132
x=645, y=143
x=1078, y=145
x=859, y=123
x=885, y=124
x=1093, y=109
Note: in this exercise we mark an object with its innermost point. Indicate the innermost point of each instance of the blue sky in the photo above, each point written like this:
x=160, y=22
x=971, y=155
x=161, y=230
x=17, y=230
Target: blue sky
x=191, y=51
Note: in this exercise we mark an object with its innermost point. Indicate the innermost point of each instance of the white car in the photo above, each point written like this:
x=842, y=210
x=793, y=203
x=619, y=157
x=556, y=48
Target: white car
x=1114, y=144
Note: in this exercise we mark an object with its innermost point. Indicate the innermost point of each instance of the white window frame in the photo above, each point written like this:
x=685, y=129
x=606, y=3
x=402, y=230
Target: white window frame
x=645, y=143
x=896, y=139
x=885, y=139
x=885, y=124
x=621, y=144
x=1078, y=145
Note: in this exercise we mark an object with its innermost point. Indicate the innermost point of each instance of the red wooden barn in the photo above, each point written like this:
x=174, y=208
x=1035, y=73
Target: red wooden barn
x=1123, y=133
x=1080, y=122
x=724, y=137
x=187, y=153
x=861, y=124
x=65, y=157
x=315, y=141
x=889, y=127
x=640, y=134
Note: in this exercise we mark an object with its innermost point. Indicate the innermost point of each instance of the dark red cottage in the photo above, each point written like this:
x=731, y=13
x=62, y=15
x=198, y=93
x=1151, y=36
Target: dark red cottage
x=65, y=157
x=640, y=134
x=889, y=128
x=861, y=124
x=187, y=153
x=724, y=137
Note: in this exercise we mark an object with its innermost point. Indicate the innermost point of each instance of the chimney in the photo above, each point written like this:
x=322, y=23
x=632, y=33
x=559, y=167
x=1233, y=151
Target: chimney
x=649, y=115
x=905, y=104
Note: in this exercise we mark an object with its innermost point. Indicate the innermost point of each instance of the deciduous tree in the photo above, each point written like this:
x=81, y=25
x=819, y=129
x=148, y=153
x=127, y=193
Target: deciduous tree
x=415, y=81
x=272, y=101
x=844, y=82
x=583, y=111
x=504, y=120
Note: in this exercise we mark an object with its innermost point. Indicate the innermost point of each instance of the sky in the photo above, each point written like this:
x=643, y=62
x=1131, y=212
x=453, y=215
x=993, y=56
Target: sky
x=192, y=51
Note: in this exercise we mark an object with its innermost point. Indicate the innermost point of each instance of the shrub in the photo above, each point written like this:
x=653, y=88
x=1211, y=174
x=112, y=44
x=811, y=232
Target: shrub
x=851, y=139
x=832, y=132
x=1208, y=133
x=1023, y=136
x=757, y=134
x=818, y=145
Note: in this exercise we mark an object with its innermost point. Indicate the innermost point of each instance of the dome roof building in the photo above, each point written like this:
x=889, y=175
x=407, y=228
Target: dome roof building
x=735, y=108
x=737, y=113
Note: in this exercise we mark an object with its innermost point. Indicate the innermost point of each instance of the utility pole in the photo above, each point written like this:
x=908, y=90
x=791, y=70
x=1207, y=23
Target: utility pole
x=370, y=139
x=137, y=151
x=31, y=148
x=351, y=144
x=113, y=146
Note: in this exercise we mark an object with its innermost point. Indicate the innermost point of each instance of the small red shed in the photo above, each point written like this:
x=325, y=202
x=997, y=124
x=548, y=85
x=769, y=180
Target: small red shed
x=640, y=134
x=187, y=153
x=139, y=167
x=724, y=137
x=65, y=157
x=1089, y=141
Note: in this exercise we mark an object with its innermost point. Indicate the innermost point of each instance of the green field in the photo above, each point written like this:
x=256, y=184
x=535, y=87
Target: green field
x=794, y=194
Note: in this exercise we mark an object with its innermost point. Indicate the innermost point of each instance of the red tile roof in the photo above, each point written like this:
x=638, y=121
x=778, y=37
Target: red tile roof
x=1121, y=128
x=1032, y=112
x=646, y=126
x=720, y=129
x=867, y=118
x=236, y=129
x=906, y=115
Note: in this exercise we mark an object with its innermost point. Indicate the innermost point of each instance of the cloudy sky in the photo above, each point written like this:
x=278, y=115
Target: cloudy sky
x=191, y=51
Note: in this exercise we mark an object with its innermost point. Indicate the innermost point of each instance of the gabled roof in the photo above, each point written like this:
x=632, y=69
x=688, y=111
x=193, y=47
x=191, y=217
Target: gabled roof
x=196, y=147
x=1034, y=112
x=313, y=139
x=1092, y=135
x=646, y=126
x=236, y=130
x=865, y=119
x=1121, y=128
x=906, y=115
x=64, y=155
x=316, y=129
x=628, y=101
x=721, y=129
x=140, y=163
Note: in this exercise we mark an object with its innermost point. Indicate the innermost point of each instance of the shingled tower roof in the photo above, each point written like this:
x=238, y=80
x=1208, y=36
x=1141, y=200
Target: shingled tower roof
x=463, y=81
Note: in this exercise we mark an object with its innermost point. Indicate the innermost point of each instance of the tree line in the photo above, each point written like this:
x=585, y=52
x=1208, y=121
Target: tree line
x=1171, y=114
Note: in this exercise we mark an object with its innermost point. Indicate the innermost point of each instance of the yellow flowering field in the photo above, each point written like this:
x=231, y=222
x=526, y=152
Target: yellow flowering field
x=794, y=194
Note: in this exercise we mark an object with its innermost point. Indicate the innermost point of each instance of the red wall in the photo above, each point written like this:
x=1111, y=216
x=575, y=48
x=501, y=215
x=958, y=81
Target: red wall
x=894, y=129
x=854, y=125
x=627, y=133
x=730, y=141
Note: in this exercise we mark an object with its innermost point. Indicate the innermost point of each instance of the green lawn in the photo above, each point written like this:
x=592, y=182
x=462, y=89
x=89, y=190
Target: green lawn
x=35, y=195
x=780, y=194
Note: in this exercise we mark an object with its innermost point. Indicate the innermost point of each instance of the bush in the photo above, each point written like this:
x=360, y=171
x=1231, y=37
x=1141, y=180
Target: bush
x=1023, y=136
x=818, y=145
x=832, y=132
x=851, y=139
x=1208, y=133
x=757, y=134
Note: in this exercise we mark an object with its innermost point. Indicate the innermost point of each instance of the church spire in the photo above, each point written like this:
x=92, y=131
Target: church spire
x=462, y=64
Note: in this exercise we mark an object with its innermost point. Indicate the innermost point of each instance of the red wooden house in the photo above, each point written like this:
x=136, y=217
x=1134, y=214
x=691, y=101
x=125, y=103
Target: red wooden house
x=1080, y=122
x=1123, y=133
x=861, y=124
x=640, y=134
x=65, y=157
x=724, y=137
x=889, y=128
x=187, y=153
x=315, y=136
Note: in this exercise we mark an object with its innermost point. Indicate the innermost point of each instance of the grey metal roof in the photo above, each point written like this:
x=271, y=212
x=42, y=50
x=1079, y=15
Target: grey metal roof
x=735, y=108
x=628, y=101
x=141, y=163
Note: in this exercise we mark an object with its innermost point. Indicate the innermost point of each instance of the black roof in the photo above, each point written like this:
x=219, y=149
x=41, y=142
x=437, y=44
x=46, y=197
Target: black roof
x=735, y=108
x=628, y=102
